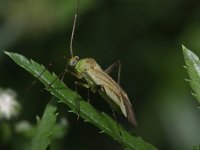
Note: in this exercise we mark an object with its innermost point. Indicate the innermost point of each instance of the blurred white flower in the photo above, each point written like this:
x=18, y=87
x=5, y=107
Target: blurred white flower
x=23, y=126
x=64, y=121
x=9, y=107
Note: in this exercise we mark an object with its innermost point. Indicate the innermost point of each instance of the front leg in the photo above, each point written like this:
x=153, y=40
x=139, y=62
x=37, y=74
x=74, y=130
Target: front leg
x=84, y=85
x=78, y=102
x=77, y=75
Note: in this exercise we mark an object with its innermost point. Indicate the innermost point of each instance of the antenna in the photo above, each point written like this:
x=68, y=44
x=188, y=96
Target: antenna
x=73, y=29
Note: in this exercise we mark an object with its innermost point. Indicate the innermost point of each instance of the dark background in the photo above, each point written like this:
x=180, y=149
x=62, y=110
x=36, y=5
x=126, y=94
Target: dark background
x=146, y=35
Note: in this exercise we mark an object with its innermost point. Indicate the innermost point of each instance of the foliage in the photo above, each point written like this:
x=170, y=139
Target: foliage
x=86, y=111
x=45, y=129
x=193, y=68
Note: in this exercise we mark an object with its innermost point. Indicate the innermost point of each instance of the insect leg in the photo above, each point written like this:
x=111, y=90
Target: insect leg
x=78, y=103
x=76, y=88
x=82, y=84
x=35, y=81
x=37, y=77
x=88, y=95
x=114, y=115
x=61, y=77
x=52, y=82
x=85, y=86
x=78, y=76
x=66, y=70
x=112, y=66
x=113, y=112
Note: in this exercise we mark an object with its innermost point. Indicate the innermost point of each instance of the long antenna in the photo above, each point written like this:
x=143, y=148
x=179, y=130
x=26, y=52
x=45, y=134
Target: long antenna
x=73, y=29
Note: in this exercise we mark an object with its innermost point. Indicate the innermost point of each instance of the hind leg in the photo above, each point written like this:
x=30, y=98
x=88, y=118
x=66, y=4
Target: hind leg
x=111, y=68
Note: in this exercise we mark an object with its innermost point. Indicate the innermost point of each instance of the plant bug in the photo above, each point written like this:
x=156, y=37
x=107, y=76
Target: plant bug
x=98, y=80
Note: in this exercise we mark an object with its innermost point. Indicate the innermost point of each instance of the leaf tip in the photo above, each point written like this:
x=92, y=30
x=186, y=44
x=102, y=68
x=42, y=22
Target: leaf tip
x=10, y=54
x=184, y=49
x=7, y=53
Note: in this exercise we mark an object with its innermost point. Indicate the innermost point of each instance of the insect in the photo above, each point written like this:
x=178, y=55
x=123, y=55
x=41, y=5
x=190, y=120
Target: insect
x=98, y=80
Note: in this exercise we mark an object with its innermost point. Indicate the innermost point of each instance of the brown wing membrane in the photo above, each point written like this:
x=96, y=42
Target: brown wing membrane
x=130, y=113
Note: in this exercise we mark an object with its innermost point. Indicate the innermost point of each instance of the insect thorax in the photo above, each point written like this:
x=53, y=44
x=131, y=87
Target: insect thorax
x=86, y=63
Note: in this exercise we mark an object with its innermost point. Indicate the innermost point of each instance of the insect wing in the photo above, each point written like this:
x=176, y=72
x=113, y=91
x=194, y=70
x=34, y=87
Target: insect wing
x=112, y=92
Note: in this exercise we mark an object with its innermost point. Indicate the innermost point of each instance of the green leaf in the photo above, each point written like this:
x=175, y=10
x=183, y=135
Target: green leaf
x=45, y=128
x=193, y=69
x=65, y=95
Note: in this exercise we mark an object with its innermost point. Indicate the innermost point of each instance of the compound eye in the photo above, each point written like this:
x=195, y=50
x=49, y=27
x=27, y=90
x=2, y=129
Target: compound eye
x=74, y=61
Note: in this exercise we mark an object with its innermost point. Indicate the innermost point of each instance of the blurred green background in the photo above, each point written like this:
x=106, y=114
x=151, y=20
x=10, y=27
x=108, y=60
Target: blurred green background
x=146, y=35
